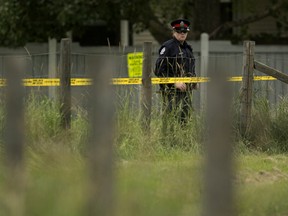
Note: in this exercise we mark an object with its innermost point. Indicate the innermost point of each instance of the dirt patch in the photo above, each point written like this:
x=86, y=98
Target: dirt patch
x=262, y=176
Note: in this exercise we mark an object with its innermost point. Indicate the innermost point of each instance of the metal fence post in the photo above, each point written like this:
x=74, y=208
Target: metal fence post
x=124, y=27
x=52, y=66
x=204, y=68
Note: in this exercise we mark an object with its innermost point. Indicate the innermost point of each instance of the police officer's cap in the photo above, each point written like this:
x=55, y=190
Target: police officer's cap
x=180, y=24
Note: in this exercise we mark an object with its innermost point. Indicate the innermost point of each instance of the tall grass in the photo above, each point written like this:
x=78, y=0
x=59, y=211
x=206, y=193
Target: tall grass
x=133, y=142
x=268, y=128
x=267, y=132
x=43, y=130
x=155, y=174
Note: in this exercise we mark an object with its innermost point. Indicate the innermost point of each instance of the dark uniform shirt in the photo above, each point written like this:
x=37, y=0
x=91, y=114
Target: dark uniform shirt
x=175, y=60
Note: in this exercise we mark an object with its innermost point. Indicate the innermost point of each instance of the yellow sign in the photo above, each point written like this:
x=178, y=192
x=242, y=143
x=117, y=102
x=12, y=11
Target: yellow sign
x=135, y=61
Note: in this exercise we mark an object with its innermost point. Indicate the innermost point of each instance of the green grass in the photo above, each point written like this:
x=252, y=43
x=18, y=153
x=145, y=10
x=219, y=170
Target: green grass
x=56, y=184
x=151, y=177
x=262, y=186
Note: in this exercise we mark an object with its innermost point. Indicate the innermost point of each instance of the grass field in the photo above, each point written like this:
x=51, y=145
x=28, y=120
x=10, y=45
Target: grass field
x=56, y=184
x=150, y=178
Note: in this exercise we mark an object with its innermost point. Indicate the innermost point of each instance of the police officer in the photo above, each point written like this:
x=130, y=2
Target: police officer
x=176, y=60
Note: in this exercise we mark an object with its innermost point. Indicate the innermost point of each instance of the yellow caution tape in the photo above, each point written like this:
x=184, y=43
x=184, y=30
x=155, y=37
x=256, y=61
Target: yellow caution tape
x=128, y=81
x=50, y=82
x=255, y=78
x=2, y=82
x=235, y=79
x=168, y=80
x=41, y=82
x=259, y=78
x=80, y=81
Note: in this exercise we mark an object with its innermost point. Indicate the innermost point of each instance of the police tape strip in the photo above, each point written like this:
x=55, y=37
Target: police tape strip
x=128, y=81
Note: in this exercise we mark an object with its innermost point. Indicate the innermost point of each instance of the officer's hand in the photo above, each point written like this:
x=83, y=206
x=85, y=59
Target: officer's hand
x=181, y=86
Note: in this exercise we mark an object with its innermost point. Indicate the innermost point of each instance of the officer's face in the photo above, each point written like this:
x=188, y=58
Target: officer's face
x=180, y=36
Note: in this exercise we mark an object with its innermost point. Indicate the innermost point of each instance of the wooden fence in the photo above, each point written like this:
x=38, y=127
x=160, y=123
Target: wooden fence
x=249, y=67
x=218, y=198
x=99, y=150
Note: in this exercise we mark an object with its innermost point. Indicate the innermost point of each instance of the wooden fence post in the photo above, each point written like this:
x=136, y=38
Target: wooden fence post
x=14, y=136
x=218, y=188
x=101, y=115
x=247, y=85
x=65, y=83
x=146, y=99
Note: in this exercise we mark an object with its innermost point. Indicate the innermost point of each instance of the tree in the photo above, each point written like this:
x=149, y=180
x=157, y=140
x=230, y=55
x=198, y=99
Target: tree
x=205, y=15
x=276, y=9
x=23, y=21
x=36, y=20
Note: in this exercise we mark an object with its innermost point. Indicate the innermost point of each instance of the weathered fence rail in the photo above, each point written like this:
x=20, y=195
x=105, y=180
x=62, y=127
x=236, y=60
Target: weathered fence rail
x=249, y=66
x=271, y=71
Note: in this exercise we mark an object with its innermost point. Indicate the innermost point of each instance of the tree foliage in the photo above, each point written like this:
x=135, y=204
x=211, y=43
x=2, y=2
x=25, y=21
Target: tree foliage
x=275, y=8
x=36, y=20
x=21, y=21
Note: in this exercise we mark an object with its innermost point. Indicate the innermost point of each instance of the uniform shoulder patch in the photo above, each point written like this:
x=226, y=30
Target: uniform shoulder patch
x=162, y=51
